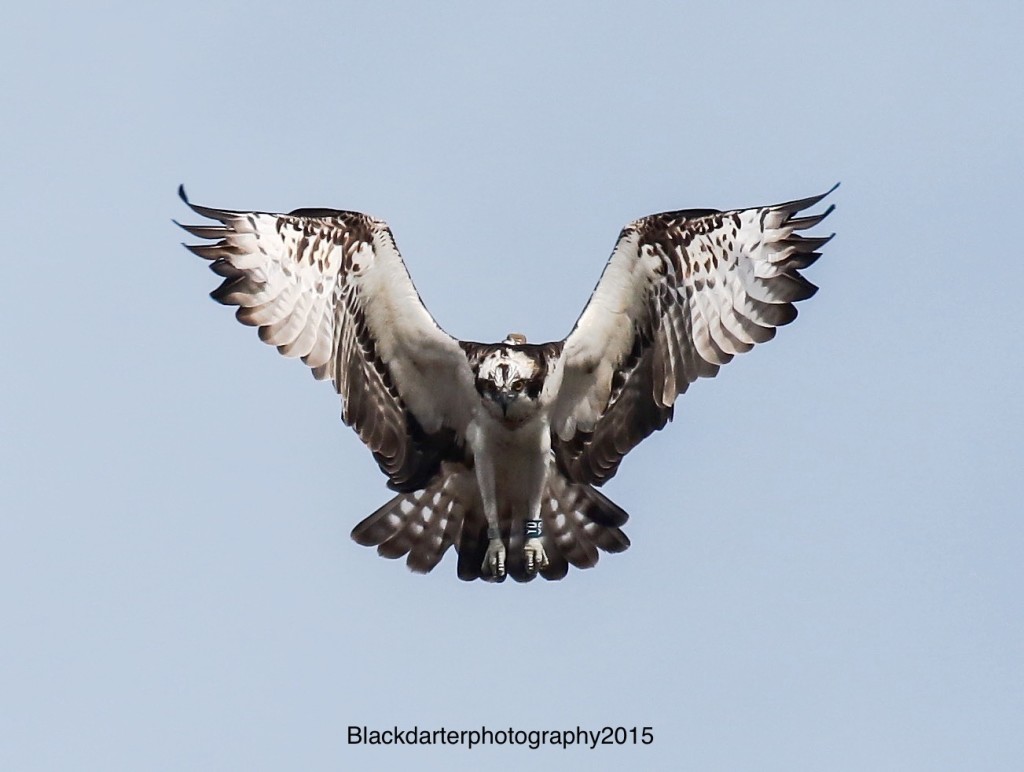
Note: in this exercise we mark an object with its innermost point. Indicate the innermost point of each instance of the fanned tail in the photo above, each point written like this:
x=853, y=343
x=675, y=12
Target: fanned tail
x=578, y=523
x=422, y=524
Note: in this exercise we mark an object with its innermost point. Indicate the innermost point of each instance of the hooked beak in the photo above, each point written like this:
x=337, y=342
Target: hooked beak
x=504, y=400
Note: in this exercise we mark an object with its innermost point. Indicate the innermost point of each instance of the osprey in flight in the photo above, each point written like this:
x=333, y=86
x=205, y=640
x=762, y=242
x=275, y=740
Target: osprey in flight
x=497, y=448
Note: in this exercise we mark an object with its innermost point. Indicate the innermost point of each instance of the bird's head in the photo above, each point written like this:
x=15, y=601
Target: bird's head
x=509, y=380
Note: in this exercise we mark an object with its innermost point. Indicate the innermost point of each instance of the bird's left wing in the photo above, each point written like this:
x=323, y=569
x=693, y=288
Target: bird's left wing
x=330, y=287
x=683, y=292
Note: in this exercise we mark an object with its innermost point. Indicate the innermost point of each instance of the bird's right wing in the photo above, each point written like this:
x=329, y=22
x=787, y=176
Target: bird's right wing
x=330, y=287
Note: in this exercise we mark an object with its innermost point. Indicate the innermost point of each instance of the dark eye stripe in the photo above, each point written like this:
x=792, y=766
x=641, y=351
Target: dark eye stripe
x=534, y=386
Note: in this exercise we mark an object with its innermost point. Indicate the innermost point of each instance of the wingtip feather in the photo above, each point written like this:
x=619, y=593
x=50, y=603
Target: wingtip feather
x=792, y=207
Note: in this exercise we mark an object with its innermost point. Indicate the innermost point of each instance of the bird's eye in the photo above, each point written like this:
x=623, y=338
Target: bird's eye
x=517, y=385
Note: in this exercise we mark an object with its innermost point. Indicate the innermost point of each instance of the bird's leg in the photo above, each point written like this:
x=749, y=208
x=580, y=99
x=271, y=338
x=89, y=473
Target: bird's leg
x=494, y=560
x=534, y=557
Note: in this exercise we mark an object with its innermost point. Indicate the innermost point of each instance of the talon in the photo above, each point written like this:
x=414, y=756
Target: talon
x=494, y=560
x=535, y=557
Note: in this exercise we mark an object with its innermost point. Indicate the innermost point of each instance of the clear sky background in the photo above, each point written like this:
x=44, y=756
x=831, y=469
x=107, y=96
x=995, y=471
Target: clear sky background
x=826, y=568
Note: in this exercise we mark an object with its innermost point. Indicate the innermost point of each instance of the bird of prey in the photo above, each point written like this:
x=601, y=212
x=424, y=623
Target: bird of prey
x=498, y=449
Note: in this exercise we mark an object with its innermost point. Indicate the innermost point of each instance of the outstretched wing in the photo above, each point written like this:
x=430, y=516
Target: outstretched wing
x=683, y=292
x=330, y=287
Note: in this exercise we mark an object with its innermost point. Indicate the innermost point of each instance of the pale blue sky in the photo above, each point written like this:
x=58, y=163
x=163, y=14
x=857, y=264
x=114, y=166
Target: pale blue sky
x=826, y=567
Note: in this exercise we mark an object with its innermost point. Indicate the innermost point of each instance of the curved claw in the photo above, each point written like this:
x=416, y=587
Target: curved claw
x=534, y=556
x=494, y=560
